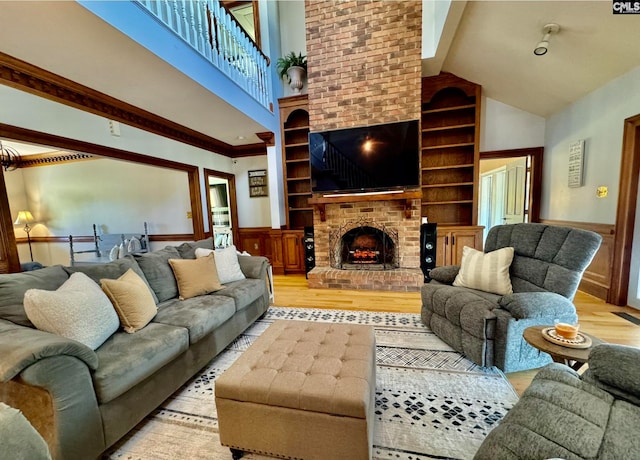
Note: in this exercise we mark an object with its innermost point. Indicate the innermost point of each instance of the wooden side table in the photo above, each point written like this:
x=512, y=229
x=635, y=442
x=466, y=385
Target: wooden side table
x=575, y=358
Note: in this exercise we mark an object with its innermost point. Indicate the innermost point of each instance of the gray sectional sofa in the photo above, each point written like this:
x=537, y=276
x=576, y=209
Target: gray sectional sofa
x=81, y=400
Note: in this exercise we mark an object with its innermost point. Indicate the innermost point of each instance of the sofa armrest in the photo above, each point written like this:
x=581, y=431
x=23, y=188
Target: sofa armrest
x=445, y=274
x=21, y=346
x=614, y=368
x=523, y=305
x=254, y=266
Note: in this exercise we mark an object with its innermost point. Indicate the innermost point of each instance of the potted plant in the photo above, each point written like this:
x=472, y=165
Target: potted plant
x=294, y=67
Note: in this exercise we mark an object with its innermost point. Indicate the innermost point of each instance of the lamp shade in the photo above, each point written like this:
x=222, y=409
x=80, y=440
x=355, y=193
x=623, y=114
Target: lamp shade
x=24, y=217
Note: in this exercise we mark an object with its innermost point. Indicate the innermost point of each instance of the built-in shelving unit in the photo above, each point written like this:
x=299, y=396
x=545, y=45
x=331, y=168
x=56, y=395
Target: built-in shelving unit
x=297, y=170
x=449, y=163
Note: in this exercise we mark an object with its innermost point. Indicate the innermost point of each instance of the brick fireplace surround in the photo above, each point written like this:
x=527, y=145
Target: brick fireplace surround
x=364, y=68
x=388, y=213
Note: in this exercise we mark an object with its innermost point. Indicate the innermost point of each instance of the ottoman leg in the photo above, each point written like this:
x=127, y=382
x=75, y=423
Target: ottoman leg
x=236, y=454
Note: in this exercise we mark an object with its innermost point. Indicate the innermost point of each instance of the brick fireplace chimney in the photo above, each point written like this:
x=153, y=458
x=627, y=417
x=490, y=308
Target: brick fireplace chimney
x=364, y=62
x=364, y=68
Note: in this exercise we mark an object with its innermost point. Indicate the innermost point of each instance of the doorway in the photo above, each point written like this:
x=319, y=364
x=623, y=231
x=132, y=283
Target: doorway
x=510, y=187
x=222, y=206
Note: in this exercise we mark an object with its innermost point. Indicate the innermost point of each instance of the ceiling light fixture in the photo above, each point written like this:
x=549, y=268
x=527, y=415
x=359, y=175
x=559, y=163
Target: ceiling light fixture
x=543, y=46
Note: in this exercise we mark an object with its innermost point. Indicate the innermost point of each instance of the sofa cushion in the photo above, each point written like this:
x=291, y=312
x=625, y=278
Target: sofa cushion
x=14, y=285
x=227, y=263
x=132, y=300
x=111, y=270
x=195, y=276
x=188, y=250
x=127, y=359
x=243, y=292
x=485, y=271
x=156, y=268
x=200, y=315
x=77, y=310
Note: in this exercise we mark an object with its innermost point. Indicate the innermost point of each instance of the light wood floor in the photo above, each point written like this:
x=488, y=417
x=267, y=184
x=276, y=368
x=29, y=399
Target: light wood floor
x=596, y=316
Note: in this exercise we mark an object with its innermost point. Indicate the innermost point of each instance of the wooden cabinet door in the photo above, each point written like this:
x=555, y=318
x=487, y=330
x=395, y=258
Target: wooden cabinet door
x=442, y=256
x=292, y=251
x=461, y=238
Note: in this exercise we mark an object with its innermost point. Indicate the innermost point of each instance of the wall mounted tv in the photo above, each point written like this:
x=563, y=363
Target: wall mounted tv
x=371, y=158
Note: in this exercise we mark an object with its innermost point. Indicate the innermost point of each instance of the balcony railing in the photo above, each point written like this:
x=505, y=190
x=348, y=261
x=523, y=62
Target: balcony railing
x=216, y=35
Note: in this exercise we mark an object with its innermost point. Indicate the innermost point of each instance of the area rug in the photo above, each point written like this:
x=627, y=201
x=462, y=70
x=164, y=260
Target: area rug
x=431, y=402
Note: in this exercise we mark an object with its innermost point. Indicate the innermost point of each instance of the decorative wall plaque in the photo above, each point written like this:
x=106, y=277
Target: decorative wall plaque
x=576, y=163
x=258, y=183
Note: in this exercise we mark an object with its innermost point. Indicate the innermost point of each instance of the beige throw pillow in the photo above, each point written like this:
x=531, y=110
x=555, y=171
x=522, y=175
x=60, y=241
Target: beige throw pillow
x=195, y=276
x=131, y=299
x=486, y=271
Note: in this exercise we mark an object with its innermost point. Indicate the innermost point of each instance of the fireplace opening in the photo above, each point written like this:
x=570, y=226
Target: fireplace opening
x=365, y=247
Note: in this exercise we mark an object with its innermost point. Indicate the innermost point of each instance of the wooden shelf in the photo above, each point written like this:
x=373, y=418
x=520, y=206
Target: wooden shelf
x=452, y=184
x=450, y=109
x=299, y=144
x=445, y=203
x=448, y=146
x=294, y=115
x=448, y=128
x=319, y=201
x=441, y=168
x=450, y=155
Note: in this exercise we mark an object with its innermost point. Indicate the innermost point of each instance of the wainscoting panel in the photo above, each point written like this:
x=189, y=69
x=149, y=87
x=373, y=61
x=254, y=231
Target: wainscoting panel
x=597, y=277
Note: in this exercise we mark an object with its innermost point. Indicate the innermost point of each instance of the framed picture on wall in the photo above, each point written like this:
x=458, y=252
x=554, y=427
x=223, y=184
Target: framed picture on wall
x=258, y=183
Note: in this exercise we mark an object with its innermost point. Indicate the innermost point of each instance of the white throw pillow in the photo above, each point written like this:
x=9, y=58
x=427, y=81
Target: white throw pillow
x=486, y=271
x=77, y=310
x=134, y=245
x=114, y=253
x=227, y=263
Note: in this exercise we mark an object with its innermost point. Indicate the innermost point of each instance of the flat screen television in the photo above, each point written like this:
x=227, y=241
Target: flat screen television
x=371, y=158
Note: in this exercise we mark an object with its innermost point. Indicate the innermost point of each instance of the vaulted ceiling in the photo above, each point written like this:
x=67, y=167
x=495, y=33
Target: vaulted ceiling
x=489, y=42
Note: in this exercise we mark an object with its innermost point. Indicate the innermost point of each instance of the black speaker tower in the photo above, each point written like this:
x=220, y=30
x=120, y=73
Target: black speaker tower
x=309, y=250
x=428, y=241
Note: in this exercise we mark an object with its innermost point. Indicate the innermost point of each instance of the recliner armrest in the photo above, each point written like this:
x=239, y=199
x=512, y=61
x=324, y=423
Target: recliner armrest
x=523, y=305
x=445, y=274
x=21, y=346
x=614, y=368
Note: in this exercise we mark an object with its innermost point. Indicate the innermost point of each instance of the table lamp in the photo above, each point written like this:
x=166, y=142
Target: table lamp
x=24, y=217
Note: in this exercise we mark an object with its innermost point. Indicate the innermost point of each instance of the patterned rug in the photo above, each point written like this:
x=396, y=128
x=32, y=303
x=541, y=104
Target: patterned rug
x=431, y=402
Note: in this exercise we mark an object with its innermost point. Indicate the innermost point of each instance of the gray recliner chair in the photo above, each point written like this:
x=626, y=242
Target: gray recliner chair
x=547, y=267
x=565, y=415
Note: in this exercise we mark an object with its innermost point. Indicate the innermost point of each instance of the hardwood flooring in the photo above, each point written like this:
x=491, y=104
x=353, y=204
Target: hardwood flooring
x=596, y=316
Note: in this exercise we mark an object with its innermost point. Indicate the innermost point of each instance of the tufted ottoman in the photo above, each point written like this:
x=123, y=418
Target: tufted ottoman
x=303, y=390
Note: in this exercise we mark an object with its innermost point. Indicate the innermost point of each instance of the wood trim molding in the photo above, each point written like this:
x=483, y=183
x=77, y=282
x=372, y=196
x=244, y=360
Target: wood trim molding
x=40, y=82
x=46, y=159
x=249, y=150
x=9, y=259
x=268, y=138
x=89, y=238
x=626, y=211
x=65, y=143
x=537, y=158
x=597, y=278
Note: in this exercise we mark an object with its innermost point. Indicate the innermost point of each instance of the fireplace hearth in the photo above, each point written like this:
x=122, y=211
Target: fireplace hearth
x=363, y=245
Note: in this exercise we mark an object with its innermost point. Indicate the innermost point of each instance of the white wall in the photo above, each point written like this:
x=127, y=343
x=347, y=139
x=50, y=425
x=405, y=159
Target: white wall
x=598, y=118
x=293, y=34
x=504, y=127
x=252, y=212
